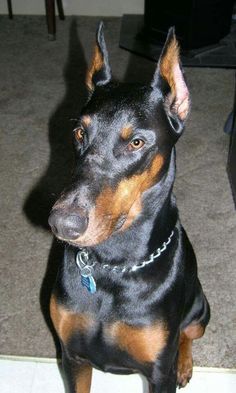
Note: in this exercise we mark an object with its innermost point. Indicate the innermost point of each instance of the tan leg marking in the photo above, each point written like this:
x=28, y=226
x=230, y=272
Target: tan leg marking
x=83, y=379
x=185, y=359
x=150, y=388
x=194, y=331
x=67, y=322
x=143, y=343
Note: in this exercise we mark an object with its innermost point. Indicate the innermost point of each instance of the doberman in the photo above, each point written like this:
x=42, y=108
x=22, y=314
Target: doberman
x=127, y=298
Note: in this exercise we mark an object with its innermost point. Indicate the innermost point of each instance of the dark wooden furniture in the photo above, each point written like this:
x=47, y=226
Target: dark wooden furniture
x=50, y=15
x=51, y=19
x=9, y=6
x=198, y=23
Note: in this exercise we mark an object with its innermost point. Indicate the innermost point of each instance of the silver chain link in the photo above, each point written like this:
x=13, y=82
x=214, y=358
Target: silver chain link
x=153, y=256
x=82, y=260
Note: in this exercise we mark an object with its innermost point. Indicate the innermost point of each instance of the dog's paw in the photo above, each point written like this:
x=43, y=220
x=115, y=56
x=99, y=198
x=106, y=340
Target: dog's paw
x=184, y=371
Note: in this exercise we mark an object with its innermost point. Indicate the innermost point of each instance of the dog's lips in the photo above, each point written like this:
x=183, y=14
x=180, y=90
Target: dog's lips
x=120, y=222
x=100, y=229
x=87, y=241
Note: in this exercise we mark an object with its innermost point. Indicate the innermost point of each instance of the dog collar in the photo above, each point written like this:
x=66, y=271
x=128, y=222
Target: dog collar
x=86, y=268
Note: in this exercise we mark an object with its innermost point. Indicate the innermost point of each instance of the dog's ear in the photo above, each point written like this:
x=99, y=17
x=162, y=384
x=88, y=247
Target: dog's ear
x=99, y=72
x=170, y=80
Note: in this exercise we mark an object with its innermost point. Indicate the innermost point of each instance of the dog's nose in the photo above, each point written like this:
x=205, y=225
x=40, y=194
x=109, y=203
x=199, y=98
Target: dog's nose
x=66, y=225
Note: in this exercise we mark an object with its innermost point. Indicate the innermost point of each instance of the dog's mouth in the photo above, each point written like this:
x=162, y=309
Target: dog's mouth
x=96, y=235
x=120, y=222
x=99, y=229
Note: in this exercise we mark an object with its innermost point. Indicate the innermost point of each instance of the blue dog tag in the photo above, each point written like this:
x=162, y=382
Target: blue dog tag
x=89, y=283
x=86, y=270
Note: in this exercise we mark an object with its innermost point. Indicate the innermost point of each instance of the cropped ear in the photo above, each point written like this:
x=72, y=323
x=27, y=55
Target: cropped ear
x=170, y=80
x=99, y=72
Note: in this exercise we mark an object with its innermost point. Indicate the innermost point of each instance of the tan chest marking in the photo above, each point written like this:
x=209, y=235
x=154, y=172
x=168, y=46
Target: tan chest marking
x=67, y=322
x=143, y=343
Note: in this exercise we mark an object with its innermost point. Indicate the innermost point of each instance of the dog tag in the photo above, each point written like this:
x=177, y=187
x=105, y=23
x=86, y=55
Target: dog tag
x=89, y=283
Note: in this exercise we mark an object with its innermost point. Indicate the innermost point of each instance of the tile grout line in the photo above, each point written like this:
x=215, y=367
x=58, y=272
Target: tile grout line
x=28, y=359
x=38, y=360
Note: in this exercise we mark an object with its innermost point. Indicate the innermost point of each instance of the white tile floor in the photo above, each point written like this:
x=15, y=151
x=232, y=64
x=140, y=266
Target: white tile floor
x=28, y=375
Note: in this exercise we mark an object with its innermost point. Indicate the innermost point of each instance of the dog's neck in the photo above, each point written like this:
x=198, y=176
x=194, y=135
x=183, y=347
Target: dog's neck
x=154, y=226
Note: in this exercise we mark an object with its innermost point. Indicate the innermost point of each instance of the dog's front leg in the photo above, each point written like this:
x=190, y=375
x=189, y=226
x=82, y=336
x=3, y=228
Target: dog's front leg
x=164, y=385
x=78, y=375
x=164, y=378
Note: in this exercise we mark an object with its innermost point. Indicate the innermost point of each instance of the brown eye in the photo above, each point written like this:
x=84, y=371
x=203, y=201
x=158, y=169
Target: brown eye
x=79, y=134
x=135, y=144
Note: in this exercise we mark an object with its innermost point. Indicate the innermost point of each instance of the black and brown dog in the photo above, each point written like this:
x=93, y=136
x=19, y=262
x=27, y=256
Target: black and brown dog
x=127, y=298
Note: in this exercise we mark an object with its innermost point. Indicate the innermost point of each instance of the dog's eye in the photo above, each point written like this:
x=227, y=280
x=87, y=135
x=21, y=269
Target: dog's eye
x=135, y=144
x=79, y=134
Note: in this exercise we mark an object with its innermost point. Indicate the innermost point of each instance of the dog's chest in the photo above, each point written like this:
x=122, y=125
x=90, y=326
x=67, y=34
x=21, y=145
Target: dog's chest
x=116, y=345
x=110, y=343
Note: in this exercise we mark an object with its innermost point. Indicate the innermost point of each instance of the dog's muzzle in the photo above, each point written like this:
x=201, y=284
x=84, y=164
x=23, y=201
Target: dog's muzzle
x=68, y=225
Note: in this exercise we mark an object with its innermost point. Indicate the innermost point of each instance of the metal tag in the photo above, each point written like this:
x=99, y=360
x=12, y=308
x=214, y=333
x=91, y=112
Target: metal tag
x=86, y=270
x=89, y=283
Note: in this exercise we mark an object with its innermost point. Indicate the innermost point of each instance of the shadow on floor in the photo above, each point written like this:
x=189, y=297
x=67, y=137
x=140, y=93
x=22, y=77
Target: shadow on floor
x=41, y=198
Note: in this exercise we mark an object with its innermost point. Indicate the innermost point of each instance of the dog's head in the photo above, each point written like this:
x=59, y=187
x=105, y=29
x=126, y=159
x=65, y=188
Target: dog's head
x=123, y=142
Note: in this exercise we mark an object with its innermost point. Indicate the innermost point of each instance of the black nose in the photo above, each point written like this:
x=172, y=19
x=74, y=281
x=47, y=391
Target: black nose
x=67, y=225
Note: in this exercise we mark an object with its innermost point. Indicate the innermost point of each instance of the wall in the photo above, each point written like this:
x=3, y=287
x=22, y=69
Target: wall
x=77, y=7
